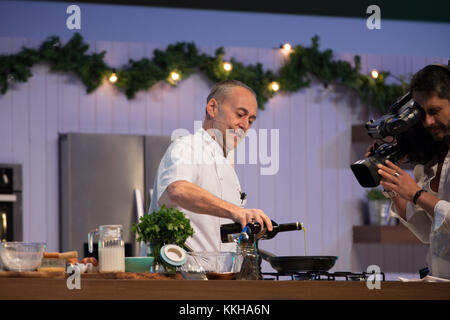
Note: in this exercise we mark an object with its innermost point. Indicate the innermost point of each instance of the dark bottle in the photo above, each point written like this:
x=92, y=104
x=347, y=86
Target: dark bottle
x=266, y=234
x=252, y=231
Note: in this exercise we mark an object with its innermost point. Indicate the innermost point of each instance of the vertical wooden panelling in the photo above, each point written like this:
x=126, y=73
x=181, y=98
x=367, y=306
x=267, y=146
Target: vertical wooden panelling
x=37, y=157
x=137, y=108
x=342, y=139
x=281, y=108
x=202, y=87
x=21, y=124
x=37, y=149
x=7, y=113
x=88, y=102
x=70, y=103
x=186, y=102
x=154, y=100
x=105, y=94
x=51, y=146
x=314, y=176
x=328, y=158
x=299, y=187
x=313, y=183
x=170, y=109
x=120, y=104
x=282, y=177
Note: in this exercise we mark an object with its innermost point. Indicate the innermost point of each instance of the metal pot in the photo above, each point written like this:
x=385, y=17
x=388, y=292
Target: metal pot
x=379, y=212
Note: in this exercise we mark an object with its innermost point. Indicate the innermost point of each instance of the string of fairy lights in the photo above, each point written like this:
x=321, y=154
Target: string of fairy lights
x=227, y=66
x=274, y=86
x=301, y=66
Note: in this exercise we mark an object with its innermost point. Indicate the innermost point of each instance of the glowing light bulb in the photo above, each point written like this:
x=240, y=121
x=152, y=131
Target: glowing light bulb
x=227, y=66
x=113, y=77
x=374, y=74
x=274, y=86
x=287, y=47
x=174, y=76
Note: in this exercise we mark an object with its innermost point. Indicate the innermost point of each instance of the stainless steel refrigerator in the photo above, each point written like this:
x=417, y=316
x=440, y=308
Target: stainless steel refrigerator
x=98, y=176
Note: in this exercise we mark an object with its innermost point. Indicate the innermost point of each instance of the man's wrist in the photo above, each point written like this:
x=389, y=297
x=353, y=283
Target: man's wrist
x=417, y=195
x=232, y=211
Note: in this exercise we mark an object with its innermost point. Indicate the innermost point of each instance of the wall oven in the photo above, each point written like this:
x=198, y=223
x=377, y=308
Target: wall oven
x=10, y=202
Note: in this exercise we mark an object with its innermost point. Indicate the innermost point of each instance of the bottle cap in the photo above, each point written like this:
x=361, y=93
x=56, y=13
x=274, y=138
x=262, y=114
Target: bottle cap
x=173, y=255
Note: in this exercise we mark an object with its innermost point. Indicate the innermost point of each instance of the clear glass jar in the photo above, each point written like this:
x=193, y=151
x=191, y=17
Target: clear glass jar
x=251, y=261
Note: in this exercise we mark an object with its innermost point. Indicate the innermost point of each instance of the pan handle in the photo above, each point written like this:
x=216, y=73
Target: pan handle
x=266, y=255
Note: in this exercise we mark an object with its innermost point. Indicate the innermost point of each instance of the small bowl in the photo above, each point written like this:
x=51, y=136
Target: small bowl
x=215, y=265
x=21, y=256
x=138, y=264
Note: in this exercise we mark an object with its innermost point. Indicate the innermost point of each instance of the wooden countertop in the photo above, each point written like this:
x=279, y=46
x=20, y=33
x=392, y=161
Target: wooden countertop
x=113, y=289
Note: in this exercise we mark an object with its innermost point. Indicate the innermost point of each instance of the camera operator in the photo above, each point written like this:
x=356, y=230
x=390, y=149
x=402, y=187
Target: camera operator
x=422, y=204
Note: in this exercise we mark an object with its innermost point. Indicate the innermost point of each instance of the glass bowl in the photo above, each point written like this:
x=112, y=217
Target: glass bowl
x=213, y=265
x=21, y=256
x=52, y=265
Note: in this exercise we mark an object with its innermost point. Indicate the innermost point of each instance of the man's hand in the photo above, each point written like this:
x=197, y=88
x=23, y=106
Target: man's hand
x=193, y=198
x=396, y=179
x=374, y=146
x=244, y=216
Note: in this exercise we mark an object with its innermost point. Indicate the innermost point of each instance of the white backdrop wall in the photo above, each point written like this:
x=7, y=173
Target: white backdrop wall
x=314, y=183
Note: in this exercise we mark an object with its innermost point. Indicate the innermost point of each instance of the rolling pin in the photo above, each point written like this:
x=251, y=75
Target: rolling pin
x=64, y=255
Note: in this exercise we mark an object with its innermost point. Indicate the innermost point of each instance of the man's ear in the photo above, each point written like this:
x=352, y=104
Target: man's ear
x=212, y=108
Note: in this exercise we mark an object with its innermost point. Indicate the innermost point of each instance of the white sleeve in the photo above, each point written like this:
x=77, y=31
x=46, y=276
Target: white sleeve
x=176, y=164
x=418, y=221
x=442, y=216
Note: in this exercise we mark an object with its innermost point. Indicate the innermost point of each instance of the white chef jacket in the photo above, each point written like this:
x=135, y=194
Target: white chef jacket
x=199, y=159
x=433, y=230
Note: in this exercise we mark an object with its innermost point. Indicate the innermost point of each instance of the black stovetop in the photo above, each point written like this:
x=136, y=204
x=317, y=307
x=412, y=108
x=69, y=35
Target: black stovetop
x=321, y=275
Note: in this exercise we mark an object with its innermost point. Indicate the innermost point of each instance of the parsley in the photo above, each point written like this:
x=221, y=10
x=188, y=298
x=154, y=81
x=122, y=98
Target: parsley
x=163, y=226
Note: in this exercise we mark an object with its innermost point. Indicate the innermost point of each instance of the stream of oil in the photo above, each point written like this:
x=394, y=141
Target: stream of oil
x=304, y=239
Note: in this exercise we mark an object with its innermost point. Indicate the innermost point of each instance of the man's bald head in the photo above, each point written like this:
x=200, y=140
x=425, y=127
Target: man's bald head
x=223, y=89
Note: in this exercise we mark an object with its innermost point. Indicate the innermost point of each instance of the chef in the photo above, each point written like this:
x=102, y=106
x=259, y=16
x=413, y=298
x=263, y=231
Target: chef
x=196, y=174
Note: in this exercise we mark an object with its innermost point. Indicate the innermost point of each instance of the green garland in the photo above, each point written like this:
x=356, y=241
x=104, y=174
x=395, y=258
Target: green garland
x=303, y=65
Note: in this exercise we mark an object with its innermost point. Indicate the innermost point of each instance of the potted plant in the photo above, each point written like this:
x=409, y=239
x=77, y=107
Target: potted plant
x=378, y=206
x=163, y=226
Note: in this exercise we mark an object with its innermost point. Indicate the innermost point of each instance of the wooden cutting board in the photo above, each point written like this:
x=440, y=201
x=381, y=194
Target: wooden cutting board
x=97, y=275
x=132, y=276
x=33, y=274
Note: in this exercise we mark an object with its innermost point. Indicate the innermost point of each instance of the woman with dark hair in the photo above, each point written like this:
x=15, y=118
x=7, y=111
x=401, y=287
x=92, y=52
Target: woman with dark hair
x=422, y=204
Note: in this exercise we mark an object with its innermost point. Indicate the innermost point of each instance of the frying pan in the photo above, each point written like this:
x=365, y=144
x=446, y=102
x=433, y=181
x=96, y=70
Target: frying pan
x=288, y=264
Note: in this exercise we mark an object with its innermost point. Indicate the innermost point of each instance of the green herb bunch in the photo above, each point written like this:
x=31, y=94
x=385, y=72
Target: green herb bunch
x=163, y=226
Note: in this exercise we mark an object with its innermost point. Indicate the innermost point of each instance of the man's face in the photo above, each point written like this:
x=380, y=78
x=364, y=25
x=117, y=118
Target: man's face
x=235, y=115
x=437, y=117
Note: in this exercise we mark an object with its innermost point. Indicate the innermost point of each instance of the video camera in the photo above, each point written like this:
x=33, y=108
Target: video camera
x=404, y=114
